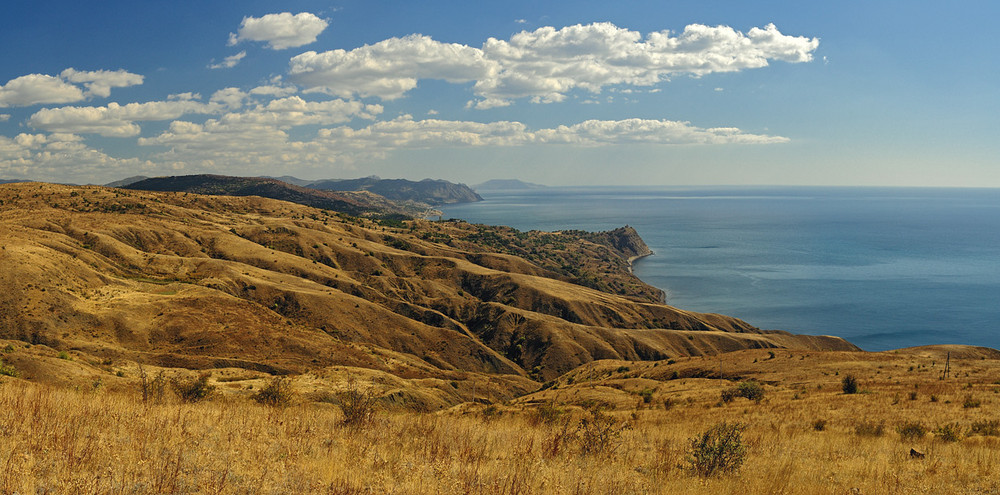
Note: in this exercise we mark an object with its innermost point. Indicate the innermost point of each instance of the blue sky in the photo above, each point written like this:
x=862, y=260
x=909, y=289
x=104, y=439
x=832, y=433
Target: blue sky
x=561, y=93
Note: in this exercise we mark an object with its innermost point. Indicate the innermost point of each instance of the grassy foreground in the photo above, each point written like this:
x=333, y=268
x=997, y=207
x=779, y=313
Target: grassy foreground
x=803, y=437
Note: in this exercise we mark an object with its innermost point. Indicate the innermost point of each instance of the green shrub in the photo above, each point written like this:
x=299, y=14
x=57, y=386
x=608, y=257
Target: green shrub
x=193, y=390
x=749, y=389
x=986, y=428
x=911, y=430
x=819, y=424
x=647, y=395
x=277, y=393
x=720, y=449
x=849, y=384
x=950, y=432
x=7, y=370
x=971, y=402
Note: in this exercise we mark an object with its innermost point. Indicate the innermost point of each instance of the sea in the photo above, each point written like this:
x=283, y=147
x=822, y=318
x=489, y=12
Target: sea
x=884, y=268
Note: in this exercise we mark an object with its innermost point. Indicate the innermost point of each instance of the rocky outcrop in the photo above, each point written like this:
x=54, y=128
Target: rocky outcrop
x=624, y=240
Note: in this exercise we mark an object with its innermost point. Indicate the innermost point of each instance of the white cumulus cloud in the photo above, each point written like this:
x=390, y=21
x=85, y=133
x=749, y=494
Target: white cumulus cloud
x=62, y=157
x=115, y=120
x=404, y=132
x=389, y=68
x=257, y=138
x=100, y=82
x=545, y=64
x=33, y=89
x=280, y=31
x=273, y=90
x=231, y=98
x=229, y=62
x=294, y=111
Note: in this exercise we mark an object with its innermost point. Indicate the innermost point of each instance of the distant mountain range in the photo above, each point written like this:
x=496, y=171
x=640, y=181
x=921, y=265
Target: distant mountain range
x=126, y=181
x=428, y=192
x=353, y=203
x=505, y=185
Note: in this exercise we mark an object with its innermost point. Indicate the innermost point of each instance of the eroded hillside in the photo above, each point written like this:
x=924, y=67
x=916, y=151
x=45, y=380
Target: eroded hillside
x=181, y=280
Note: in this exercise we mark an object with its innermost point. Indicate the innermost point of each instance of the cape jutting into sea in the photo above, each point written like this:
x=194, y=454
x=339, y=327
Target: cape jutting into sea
x=884, y=268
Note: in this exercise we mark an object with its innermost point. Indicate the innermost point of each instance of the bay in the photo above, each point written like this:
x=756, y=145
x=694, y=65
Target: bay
x=884, y=268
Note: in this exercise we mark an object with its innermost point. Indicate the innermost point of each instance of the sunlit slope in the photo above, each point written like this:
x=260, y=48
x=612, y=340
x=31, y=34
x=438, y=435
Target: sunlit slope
x=184, y=280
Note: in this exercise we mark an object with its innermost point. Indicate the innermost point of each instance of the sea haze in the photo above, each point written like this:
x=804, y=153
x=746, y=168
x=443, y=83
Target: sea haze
x=884, y=268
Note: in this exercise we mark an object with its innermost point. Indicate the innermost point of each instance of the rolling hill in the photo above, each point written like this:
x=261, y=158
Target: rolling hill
x=429, y=191
x=350, y=202
x=191, y=281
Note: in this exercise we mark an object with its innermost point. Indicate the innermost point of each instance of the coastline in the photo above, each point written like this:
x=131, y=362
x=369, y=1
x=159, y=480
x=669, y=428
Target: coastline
x=633, y=259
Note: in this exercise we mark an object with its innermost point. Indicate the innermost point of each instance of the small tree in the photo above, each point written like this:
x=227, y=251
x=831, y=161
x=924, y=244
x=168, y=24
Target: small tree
x=720, y=449
x=849, y=384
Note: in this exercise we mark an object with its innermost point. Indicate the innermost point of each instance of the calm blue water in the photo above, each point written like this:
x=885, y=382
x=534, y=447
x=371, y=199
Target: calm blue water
x=882, y=267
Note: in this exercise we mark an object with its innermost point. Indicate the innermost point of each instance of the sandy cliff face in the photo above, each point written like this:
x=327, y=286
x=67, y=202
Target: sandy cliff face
x=184, y=280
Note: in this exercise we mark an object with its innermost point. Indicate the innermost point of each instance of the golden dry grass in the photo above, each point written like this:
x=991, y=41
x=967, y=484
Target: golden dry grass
x=58, y=440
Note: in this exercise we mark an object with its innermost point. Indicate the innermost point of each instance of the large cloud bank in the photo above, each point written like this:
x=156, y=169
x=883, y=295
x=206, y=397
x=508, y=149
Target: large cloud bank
x=546, y=64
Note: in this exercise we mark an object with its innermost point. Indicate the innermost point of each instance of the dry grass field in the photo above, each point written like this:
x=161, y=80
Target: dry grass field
x=619, y=427
x=287, y=349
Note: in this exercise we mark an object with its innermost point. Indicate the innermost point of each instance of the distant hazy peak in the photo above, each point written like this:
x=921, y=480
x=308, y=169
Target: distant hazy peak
x=506, y=184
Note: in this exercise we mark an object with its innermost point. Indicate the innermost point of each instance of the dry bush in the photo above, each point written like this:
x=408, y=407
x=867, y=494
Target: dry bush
x=558, y=440
x=491, y=413
x=277, y=393
x=819, y=424
x=359, y=406
x=600, y=434
x=911, y=430
x=720, y=449
x=545, y=414
x=152, y=389
x=971, y=402
x=986, y=428
x=869, y=429
x=193, y=390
